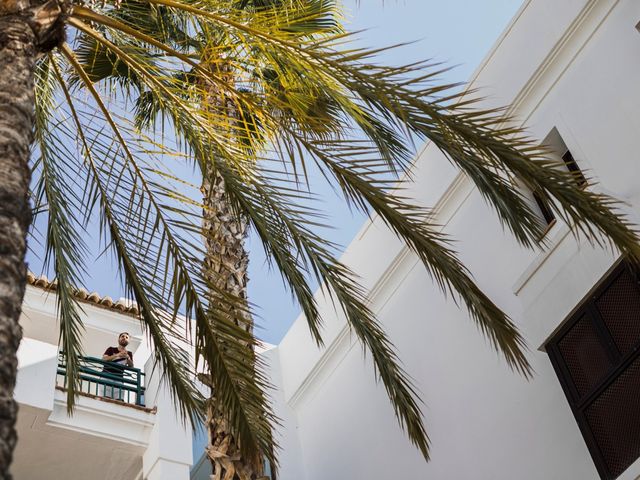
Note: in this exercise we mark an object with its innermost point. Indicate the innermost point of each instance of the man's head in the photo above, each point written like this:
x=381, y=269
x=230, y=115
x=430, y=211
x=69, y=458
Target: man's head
x=123, y=339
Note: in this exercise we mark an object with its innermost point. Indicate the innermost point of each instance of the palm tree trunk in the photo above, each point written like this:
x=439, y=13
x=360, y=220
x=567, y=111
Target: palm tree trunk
x=27, y=29
x=17, y=60
x=226, y=268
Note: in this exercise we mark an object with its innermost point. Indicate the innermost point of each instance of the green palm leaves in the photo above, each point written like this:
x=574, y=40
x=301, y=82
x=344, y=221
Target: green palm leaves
x=123, y=107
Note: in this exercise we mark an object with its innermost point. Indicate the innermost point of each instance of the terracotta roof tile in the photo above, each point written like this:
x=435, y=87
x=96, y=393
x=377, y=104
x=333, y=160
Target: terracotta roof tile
x=122, y=305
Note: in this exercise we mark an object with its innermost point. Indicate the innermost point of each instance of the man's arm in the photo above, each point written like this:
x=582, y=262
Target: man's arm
x=108, y=355
x=129, y=359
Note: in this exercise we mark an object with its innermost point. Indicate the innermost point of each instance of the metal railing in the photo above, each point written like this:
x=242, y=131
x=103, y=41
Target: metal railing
x=106, y=379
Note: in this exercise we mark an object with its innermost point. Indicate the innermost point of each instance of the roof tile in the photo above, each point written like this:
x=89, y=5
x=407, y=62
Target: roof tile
x=123, y=305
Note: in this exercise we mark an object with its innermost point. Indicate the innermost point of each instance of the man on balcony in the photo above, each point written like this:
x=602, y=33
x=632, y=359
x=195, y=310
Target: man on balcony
x=118, y=358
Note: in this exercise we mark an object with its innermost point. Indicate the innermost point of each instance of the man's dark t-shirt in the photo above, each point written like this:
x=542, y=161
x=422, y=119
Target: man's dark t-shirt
x=116, y=367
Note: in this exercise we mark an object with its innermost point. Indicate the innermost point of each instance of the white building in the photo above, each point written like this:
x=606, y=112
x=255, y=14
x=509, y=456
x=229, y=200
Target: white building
x=570, y=70
x=138, y=438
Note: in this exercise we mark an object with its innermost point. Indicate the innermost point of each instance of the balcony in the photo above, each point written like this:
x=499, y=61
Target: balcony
x=107, y=380
x=124, y=424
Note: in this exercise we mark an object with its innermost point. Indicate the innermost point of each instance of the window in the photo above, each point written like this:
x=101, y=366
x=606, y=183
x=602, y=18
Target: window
x=558, y=151
x=596, y=356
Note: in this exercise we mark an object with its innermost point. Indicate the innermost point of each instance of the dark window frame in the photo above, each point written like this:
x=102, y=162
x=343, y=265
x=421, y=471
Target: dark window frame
x=620, y=361
x=547, y=214
x=574, y=169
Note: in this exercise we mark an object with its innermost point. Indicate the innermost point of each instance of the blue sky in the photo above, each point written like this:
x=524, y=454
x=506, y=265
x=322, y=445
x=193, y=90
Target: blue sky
x=456, y=32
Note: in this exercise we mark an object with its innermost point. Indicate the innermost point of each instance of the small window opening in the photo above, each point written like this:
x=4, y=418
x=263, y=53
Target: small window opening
x=559, y=151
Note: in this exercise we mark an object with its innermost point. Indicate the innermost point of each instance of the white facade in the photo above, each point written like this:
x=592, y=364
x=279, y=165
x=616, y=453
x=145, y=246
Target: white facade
x=103, y=439
x=569, y=67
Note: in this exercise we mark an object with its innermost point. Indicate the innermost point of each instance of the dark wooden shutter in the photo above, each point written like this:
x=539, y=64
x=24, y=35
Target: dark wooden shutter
x=585, y=355
x=597, y=359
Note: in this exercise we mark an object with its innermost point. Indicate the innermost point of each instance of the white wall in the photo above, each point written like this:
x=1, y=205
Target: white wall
x=573, y=65
x=37, y=366
x=168, y=455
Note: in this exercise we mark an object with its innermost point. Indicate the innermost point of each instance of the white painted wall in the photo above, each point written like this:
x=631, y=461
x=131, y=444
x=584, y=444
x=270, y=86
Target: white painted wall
x=573, y=65
x=168, y=455
x=37, y=366
x=287, y=439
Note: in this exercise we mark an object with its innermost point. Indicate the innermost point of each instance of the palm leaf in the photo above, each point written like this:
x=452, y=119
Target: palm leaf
x=65, y=248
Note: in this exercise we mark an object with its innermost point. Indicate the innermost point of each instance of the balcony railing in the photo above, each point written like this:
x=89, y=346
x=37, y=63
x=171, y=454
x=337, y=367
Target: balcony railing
x=107, y=379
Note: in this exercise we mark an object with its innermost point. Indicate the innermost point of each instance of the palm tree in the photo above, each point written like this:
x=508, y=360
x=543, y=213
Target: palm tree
x=285, y=97
x=226, y=261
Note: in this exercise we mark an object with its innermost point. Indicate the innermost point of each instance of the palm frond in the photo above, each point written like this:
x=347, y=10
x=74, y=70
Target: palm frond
x=110, y=174
x=66, y=249
x=413, y=225
x=294, y=231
